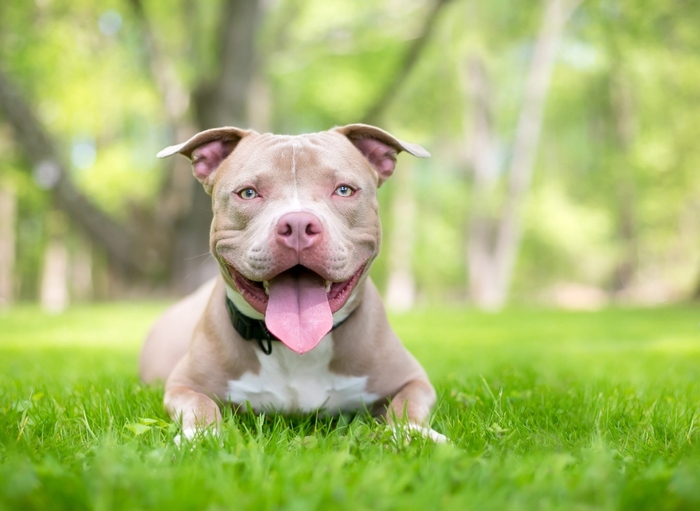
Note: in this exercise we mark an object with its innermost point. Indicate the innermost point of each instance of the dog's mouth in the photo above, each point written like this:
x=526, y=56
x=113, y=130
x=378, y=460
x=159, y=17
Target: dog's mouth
x=298, y=303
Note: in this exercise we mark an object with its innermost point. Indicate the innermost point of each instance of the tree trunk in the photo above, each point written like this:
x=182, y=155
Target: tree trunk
x=81, y=279
x=260, y=105
x=696, y=293
x=54, y=276
x=497, y=260
x=625, y=195
x=8, y=217
x=480, y=264
x=401, y=288
x=222, y=102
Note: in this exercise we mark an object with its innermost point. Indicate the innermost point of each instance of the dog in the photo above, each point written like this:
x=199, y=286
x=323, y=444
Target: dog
x=293, y=323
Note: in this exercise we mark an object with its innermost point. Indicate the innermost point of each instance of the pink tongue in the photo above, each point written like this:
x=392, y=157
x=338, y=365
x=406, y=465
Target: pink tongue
x=298, y=312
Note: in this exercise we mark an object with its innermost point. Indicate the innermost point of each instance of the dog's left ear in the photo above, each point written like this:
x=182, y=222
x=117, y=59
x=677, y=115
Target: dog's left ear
x=207, y=150
x=379, y=147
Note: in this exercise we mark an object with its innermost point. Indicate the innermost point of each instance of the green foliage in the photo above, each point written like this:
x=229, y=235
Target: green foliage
x=544, y=409
x=326, y=63
x=90, y=90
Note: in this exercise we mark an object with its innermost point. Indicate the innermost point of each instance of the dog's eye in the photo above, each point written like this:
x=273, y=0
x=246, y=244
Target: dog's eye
x=247, y=194
x=344, y=191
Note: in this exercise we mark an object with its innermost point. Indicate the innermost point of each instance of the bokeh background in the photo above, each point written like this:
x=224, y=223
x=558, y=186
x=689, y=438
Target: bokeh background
x=565, y=137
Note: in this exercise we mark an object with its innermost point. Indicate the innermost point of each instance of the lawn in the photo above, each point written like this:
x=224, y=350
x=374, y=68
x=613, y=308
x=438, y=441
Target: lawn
x=545, y=410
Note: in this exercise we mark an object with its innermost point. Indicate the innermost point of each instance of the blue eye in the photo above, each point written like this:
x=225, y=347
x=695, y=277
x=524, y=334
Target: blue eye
x=344, y=191
x=247, y=194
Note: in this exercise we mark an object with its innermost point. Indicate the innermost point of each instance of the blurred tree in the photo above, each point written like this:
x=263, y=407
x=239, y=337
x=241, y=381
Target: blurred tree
x=410, y=58
x=8, y=226
x=493, y=242
x=182, y=226
x=50, y=172
x=401, y=281
x=92, y=91
x=54, y=297
x=401, y=241
x=219, y=96
x=218, y=99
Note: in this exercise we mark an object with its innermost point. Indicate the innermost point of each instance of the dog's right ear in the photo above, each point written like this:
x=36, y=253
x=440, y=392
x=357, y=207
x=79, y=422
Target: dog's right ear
x=379, y=147
x=207, y=150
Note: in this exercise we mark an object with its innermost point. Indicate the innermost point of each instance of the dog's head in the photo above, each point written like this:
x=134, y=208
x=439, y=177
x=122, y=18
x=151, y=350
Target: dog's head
x=296, y=223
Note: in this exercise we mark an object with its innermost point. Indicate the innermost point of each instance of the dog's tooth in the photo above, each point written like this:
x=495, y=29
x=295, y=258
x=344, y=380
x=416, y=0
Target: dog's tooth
x=328, y=286
x=266, y=285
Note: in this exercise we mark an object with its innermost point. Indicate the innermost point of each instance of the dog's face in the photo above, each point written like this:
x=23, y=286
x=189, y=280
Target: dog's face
x=296, y=222
x=282, y=202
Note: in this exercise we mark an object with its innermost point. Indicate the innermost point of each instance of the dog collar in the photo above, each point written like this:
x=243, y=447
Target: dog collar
x=255, y=329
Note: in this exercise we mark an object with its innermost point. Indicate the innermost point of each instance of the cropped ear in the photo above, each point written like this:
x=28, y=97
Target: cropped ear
x=207, y=150
x=379, y=147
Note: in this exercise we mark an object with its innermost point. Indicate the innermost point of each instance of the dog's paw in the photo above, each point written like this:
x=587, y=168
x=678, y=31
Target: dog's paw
x=406, y=432
x=187, y=434
x=191, y=435
x=433, y=435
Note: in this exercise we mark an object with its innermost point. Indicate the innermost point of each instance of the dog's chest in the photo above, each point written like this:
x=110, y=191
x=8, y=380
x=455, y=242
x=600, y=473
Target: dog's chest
x=289, y=382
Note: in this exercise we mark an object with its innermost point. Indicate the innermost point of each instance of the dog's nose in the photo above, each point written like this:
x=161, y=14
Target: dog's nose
x=299, y=230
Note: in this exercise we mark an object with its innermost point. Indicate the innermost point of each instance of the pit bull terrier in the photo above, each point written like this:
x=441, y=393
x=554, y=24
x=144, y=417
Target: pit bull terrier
x=293, y=323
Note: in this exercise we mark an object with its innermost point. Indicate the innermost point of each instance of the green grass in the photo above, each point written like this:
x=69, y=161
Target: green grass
x=545, y=410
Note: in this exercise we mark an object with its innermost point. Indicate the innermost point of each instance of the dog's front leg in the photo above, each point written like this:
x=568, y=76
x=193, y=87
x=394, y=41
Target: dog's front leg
x=410, y=409
x=195, y=410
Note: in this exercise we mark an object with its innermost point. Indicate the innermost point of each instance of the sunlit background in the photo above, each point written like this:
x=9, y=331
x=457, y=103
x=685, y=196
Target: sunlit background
x=564, y=133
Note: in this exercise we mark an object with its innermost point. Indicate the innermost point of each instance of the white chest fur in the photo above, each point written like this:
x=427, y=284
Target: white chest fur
x=289, y=382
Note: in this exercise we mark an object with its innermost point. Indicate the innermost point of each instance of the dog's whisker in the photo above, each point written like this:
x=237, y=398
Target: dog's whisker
x=198, y=266
x=198, y=256
x=205, y=261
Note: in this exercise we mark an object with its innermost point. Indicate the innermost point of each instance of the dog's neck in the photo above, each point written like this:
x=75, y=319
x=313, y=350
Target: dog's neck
x=240, y=303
